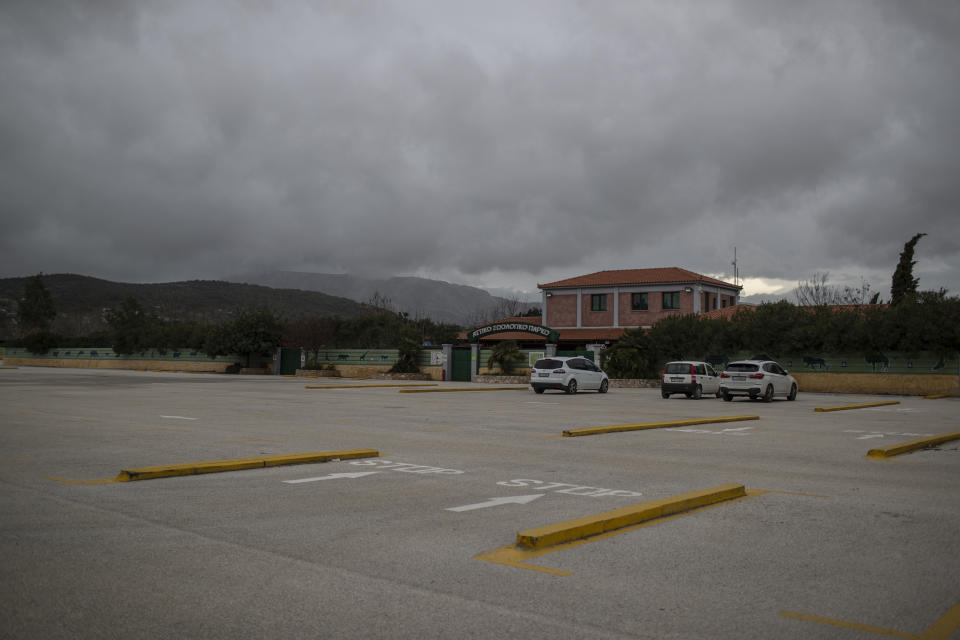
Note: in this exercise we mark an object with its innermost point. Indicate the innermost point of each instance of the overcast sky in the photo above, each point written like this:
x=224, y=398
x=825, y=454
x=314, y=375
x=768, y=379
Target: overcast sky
x=498, y=144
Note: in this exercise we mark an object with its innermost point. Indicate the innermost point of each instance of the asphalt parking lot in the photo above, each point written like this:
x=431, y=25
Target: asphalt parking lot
x=419, y=541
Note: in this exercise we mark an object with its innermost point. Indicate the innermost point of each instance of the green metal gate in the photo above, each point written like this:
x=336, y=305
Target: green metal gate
x=460, y=371
x=289, y=361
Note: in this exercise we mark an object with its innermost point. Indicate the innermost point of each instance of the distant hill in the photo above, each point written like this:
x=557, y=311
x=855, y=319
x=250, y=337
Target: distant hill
x=420, y=297
x=80, y=301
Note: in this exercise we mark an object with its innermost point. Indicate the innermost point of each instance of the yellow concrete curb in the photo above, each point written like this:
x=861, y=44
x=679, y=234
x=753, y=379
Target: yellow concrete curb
x=193, y=468
x=912, y=445
x=857, y=406
x=560, y=533
x=938, y=396
x=462, y=389
x=592, y=431
x=363, y=386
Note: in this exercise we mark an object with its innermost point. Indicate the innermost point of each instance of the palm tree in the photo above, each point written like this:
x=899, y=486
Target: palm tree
x=505, y=355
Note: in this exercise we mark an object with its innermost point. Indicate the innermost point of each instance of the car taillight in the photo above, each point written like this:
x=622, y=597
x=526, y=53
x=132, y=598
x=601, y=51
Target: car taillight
x=724, y=375
x=560, y=371
x=693, y=374
x=757, y=376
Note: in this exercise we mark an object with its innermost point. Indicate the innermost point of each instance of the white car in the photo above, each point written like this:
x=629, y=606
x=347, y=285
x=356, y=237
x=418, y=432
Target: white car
x=568, y=374
x=757, y=379
x=691, y=378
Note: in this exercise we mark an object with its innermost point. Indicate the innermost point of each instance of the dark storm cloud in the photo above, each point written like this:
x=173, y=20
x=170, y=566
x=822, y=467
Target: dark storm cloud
x=506, y=144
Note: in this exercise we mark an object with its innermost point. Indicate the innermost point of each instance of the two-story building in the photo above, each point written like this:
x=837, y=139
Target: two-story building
x=593, y=311
x=630, y=298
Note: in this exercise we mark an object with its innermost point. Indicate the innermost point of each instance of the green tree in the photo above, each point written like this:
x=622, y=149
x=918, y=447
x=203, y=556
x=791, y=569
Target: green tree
x=35, y=310
x=504, y=356
x=409, y=347
x=254, y=332
x=904, y=286
x=130, y=327
x=633, y=356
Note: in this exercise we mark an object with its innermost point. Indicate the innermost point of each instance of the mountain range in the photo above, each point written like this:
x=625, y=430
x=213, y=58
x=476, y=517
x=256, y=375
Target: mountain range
x=81, y=301
x=419, y=297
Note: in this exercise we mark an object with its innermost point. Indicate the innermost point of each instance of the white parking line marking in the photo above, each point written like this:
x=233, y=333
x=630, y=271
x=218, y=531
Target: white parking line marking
x=734, y=431
x=177, y=418
x=496, y=502
x=332, y=476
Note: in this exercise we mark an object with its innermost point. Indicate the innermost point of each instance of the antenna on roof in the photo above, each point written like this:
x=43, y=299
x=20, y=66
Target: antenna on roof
x=736, y=273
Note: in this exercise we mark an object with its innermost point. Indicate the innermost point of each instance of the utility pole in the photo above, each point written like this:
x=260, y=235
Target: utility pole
x=736, y=273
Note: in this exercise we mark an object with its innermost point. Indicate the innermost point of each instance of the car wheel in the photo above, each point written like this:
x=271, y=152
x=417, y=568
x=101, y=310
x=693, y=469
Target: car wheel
x=697, y=392
x=604, y=386
x=664, y=395
x=793, y=393
x=572, y=386
x=538, y=389
x=768, y=393
x=727, y=397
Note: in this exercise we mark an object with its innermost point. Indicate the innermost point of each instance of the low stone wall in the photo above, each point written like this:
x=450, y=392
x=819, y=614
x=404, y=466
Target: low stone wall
x=488, y=379
x=627, y=383
x=134, y=365
x=370, y=371
x=402, y=376
x=876, y=383
x=317, y=373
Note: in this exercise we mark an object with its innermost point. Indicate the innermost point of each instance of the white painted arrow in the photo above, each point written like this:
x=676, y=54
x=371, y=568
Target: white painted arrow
x=333, y=476
x=496, y=502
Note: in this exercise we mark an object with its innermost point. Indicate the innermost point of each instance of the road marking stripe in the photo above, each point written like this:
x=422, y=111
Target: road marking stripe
x=462, y=389
x=845, y=407
x=849, y=625
x=215, y=466
x=938, y=396
x=591, y=431
x=943, y=628
x=363, y=386
x=94, y=481
x=912, y=445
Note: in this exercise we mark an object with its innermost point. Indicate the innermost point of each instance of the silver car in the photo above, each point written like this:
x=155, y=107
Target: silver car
x=689, y=377
x=757, y=379
x=568, y=374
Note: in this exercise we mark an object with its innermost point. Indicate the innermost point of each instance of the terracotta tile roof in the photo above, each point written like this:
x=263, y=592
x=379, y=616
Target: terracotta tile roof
x=728, y=312
x=623, y=277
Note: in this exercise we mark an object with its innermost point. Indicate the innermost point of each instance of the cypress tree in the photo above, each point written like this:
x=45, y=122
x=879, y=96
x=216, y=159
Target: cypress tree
x=904, y=286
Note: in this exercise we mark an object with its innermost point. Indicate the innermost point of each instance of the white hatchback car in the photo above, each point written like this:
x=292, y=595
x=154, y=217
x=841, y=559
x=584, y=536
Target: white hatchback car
x=691, y=378
x=761, y=379
x=568, y=374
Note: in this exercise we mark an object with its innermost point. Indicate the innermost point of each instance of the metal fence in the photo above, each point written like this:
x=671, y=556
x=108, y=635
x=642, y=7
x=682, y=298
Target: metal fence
x=106, y=353
x=879, y=362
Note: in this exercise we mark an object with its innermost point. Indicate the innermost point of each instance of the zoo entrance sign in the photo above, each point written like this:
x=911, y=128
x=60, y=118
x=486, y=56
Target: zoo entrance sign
x=506, y=327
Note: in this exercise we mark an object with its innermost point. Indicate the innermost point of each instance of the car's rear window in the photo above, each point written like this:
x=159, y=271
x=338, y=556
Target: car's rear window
x=547, y=363
x=678, y=367
x=742, y=366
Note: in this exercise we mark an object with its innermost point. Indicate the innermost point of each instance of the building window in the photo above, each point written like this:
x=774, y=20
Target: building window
x=638, y=302
x=671, y=300
x=598, y=302
x=724, y=303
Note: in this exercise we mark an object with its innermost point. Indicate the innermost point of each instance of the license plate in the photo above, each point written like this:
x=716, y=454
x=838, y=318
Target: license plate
x=740, y=378
x=676, y=379
x=544, y=375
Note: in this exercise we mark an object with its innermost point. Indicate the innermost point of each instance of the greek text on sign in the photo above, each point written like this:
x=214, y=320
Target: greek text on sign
x=404, y=467
x=572, y=489
x=506, y=327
